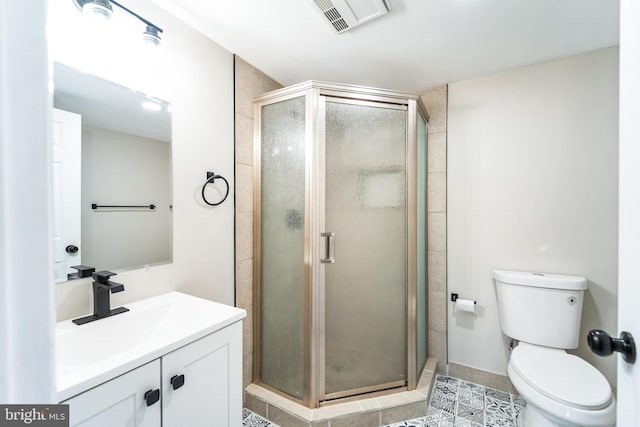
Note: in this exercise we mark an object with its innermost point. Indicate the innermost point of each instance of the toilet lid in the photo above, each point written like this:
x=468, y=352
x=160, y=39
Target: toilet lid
x=561, y=376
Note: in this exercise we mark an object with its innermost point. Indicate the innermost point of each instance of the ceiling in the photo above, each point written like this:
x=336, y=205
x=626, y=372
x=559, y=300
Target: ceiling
x=420, y=43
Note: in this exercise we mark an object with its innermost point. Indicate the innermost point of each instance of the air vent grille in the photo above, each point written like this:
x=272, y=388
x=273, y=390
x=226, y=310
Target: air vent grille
x=332, y=15
x=324, y=4
x=343, y=15
x=340, y=25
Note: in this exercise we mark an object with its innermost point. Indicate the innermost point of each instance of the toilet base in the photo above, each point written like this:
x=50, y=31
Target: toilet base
x=530, y=416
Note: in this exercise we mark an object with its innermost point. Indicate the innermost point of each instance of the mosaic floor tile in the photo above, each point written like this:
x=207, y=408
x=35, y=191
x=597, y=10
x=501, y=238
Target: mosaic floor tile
x=437, y=418
x=443, y=403
x=447, y=380
x=255, y=420
x=517, y=400
x=497, y=394
x=472, y=398
x=465, y=385
x=475, y=415
x=454, y=403
x=463, y=422
x=496, y=420
x=418, y=422
x=445, y=390
x=501, y=407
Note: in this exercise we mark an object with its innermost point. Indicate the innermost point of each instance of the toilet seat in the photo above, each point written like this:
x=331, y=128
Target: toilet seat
x=568, y=391
x=562, y=377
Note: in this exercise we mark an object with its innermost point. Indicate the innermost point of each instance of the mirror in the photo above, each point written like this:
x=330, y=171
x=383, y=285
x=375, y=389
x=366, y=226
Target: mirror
x=111, y=163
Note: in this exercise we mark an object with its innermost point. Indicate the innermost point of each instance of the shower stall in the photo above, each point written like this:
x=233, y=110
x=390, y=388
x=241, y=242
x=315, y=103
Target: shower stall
x=339, y=241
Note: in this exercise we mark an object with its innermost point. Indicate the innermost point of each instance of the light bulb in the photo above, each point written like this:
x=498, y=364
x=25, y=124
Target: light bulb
x=97, y=9
x=151, y=36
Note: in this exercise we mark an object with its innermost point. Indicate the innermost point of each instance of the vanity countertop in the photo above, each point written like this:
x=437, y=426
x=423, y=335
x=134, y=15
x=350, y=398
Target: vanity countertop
x=93, y=353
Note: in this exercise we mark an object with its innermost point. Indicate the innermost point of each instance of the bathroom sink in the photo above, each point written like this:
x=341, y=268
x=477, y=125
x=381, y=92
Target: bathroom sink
x=90, y=354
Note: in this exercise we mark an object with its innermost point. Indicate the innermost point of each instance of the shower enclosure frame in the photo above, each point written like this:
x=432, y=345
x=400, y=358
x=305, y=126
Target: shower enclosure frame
x=315, y=95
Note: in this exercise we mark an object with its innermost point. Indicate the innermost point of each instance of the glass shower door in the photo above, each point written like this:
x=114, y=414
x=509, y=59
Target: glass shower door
x=365, y=240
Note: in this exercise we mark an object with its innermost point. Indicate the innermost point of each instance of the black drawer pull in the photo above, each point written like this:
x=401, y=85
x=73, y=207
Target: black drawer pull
x=177, y=381
x=152, y=396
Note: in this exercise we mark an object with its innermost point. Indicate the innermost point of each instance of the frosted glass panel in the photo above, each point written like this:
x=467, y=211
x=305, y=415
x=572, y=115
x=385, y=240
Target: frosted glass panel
x=282, y=246
x=365, y=290
x=421, y=293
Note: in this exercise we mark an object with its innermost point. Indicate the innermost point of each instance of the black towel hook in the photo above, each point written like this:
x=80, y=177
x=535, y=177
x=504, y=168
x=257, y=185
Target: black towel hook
x=211, y=177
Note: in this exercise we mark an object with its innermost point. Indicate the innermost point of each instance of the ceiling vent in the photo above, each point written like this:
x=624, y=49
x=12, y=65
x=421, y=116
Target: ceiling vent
x=343, y=15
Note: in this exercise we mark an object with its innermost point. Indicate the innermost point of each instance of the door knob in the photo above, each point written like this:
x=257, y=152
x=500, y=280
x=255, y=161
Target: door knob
x=603, y=345
x=71, y=249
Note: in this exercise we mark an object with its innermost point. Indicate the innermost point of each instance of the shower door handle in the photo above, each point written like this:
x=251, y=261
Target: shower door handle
x=330, y=248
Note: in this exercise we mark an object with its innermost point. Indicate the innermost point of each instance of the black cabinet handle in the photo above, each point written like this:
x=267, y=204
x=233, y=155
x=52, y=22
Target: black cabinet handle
x=603, y=345
x=177, y=381
x=152, y=396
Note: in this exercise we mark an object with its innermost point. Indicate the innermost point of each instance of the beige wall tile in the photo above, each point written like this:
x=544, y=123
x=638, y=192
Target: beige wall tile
x=247, y=370
x=436, y=232
x=247, y=332
x=437, y=311
x=255, y=404
x=366, y=419
x=251, y=82
x=244, y=236
x=436, y=103
x=282, y=418
x=437, y=192
x=437, y=152
x=244, y=188
x=405, y=412
x=244, y=140
x=488, y=379
x=437, y=271
x=438, y=349
x=433, y=89
x=244, y=283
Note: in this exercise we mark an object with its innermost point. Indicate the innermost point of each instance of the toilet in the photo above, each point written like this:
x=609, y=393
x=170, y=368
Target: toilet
x=543, y=312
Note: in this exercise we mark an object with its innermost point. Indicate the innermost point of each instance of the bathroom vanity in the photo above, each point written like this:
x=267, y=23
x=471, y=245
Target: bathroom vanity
x=171, y=360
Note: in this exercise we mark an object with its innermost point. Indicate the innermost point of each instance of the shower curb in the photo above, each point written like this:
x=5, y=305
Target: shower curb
x=383, y=410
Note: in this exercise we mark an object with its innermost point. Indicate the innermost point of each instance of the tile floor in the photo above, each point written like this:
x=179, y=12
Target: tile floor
x=454, y=403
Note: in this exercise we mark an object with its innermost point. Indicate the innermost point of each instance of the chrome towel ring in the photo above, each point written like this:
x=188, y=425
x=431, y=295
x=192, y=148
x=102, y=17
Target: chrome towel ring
x=211, y=177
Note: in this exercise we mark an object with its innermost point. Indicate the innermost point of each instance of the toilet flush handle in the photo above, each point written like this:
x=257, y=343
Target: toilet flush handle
x=603, y=345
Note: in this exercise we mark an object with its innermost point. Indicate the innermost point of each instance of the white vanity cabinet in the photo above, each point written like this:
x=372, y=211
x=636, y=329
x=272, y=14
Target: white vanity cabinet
x=199, y=384
x=119, y=402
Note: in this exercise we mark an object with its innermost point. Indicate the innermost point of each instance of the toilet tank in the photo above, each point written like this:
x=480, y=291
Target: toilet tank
x=539, y=308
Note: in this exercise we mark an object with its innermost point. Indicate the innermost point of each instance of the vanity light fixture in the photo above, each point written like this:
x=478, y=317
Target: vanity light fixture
x=103, y=9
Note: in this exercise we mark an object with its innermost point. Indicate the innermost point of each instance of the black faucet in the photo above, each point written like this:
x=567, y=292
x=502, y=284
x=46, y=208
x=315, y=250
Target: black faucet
x=102, y=290
x=83, y=271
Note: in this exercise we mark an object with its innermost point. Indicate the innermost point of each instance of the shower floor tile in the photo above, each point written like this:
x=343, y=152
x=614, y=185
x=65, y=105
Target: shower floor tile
x=453, y=403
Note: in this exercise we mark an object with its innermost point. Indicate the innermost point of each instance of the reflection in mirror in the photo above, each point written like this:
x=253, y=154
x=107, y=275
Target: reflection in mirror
x=111, y=148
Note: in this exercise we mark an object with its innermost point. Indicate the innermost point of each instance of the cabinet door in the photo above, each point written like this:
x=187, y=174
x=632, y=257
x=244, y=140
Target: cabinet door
x=211, y=394
x=119, y=402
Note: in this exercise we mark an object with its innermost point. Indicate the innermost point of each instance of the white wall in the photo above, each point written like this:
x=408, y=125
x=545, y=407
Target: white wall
x=26, y=269
x=532, y=185
x=196, y=76
x=123, y=169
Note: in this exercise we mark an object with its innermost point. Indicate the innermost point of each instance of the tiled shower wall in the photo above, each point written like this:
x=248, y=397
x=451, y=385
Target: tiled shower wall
x=249, y=83
x=435, y=99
